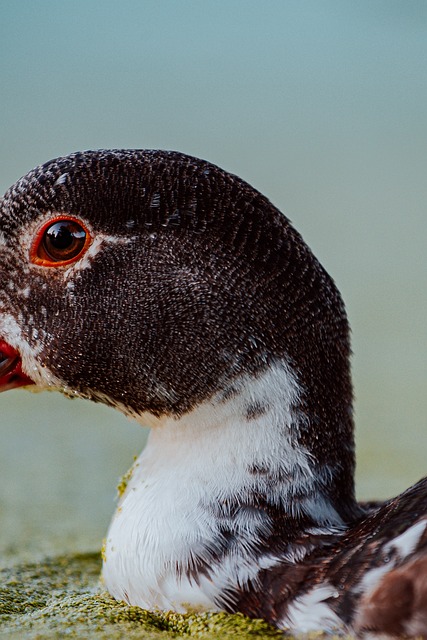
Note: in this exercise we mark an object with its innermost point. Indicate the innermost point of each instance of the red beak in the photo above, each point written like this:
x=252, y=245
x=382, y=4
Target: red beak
x=11, y=374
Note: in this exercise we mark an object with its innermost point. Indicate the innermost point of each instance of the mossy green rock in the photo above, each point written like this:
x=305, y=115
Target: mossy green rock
x=62, y=597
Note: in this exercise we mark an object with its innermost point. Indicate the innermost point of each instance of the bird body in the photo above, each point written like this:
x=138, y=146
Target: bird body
x=161, y=285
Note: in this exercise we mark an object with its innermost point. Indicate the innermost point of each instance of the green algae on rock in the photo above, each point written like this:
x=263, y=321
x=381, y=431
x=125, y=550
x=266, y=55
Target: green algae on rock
x=63, y=597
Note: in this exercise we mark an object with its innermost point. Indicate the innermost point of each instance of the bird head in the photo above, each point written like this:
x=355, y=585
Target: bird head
x=152, y=280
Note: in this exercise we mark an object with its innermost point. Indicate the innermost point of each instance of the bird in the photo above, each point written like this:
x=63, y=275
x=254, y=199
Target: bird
x=159, y=284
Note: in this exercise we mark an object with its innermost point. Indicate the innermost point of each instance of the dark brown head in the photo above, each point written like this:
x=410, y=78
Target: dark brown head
x=152, y=280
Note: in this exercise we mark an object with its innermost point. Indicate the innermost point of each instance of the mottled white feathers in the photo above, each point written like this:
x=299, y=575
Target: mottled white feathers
x=171, y=517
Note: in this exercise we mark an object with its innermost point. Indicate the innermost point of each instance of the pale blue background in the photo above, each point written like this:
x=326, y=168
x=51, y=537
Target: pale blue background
x=319, y=104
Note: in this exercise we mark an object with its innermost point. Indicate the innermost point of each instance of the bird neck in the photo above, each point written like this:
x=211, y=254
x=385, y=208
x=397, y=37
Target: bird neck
x=242, y=450
x=218, y=495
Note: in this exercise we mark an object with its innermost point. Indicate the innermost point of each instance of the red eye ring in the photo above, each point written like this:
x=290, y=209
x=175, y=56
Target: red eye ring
x=61, y=241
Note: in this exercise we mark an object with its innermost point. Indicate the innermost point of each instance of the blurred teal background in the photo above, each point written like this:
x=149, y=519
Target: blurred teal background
x=322, y=105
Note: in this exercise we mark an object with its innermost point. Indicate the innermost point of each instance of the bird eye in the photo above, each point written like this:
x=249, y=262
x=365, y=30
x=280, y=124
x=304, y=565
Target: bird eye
x=60, y=242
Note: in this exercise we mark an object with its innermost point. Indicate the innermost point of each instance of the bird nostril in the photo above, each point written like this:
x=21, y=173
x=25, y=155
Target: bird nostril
x=11, y=374
x=7, y=363
x=9, y=359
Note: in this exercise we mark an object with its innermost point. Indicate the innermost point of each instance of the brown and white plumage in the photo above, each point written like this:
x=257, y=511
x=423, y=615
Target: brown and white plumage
x=162, y=285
